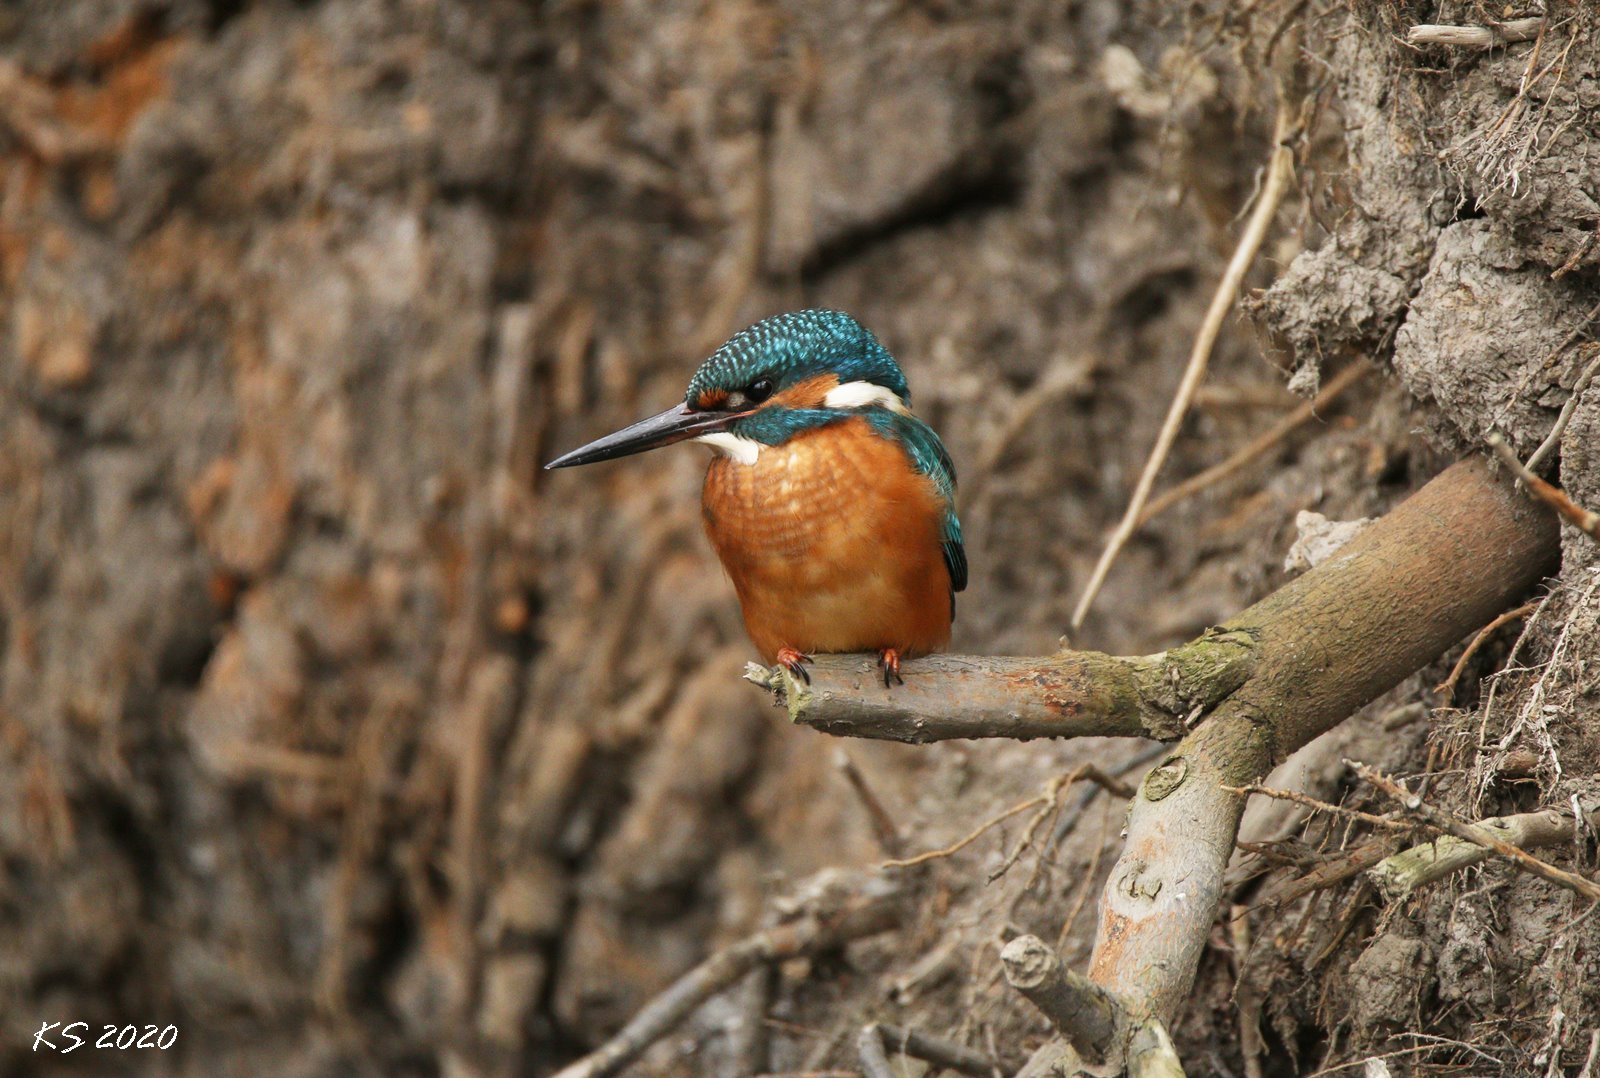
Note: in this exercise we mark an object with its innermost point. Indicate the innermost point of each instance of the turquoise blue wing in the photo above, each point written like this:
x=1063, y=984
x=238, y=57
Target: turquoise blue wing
x=928, y=456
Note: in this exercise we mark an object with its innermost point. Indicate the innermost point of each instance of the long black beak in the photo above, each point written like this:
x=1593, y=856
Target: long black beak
x=674, y=425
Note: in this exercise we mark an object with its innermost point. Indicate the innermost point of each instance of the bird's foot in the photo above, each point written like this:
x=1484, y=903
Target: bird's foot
x=794, y=662
x=889, y=662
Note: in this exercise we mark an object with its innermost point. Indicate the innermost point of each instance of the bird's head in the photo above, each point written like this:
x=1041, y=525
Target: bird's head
x=782, y=375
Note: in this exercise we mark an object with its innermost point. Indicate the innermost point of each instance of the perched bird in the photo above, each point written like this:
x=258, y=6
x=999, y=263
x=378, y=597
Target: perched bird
x=831, y=506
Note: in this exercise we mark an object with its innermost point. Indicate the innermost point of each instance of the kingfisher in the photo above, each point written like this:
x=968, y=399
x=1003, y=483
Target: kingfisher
x=831, y=506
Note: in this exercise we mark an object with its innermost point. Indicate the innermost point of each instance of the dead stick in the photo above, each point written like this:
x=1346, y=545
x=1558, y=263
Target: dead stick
x=1491, y=35
x=884, y=829
x=1585, y=520
x=972, y=836
x=1307, y=801
x=1151, y=1054
x=1449, y=824
x=1280, y=173
x=865, y=915
x=1559, y=428
x=1594, y=1052
x=873, y=1055
x=1398, y=875
x=1084, y=1013
x=1329, y=873
x=1069, y=819
x=942, y=1053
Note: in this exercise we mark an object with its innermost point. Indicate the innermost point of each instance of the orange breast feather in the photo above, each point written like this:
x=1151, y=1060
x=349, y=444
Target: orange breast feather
x=832, y=541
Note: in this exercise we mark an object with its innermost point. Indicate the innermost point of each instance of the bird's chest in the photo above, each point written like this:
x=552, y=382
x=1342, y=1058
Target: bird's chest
x=823, y=507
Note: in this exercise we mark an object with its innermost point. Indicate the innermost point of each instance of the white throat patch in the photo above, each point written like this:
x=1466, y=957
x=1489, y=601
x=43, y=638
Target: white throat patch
x=742, y=450
x=863, y=395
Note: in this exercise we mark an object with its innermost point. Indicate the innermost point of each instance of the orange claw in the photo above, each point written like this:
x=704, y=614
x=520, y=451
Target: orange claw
x=794, y=662
x=889, y=660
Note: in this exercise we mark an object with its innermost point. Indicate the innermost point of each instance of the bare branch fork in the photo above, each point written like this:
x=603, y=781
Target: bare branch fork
x=1294, y=665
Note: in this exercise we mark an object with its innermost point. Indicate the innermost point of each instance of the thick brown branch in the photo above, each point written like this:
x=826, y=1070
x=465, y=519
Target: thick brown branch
x=1403, y=590
x=1073, y=694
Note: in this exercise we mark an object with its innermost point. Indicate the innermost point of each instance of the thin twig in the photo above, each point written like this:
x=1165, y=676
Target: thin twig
x=1553, y=439
x=1280, y=171
x=1312, y=803
x=1346, y=922
x=1449, y=824
x=1086, y=885
x=1328, y=874
x=884, y=828
x=1102, y=781
x=1112, y=783
x=1585, y=520
x=977, y=833
x=1594, y=1052
x=1258, y=446
x=1052, y=801
x=1447, y=687
x=1247, y=996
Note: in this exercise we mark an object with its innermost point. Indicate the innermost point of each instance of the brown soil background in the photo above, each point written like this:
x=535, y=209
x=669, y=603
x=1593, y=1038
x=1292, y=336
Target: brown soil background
x=337, y=734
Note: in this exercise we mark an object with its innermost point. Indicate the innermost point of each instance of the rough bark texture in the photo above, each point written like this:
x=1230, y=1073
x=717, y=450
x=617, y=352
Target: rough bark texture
x=1381, y=607
x=334, y=733
x=1073, y=694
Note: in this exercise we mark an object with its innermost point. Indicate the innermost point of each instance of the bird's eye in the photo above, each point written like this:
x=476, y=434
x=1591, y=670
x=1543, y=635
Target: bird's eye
x=758, y=391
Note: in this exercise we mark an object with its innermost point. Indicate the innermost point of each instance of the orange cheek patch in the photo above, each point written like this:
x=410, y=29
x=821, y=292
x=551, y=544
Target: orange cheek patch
x=807, y=394
x=711, y=398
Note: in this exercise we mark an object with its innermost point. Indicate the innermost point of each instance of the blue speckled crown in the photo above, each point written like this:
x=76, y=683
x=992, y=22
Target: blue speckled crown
x=789, y=348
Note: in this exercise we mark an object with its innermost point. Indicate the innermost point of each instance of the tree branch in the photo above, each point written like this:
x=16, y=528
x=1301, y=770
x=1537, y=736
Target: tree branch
x=1073, y=694
x=1481, y=836
x=1396, y=596
x=879, y=1039
x=1084, y=1013
x=1585, y=520
x=1489, y=36
x=1398, y=875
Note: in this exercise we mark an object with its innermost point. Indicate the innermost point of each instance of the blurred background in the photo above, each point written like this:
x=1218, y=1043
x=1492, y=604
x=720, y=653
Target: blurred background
x=336, y=734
